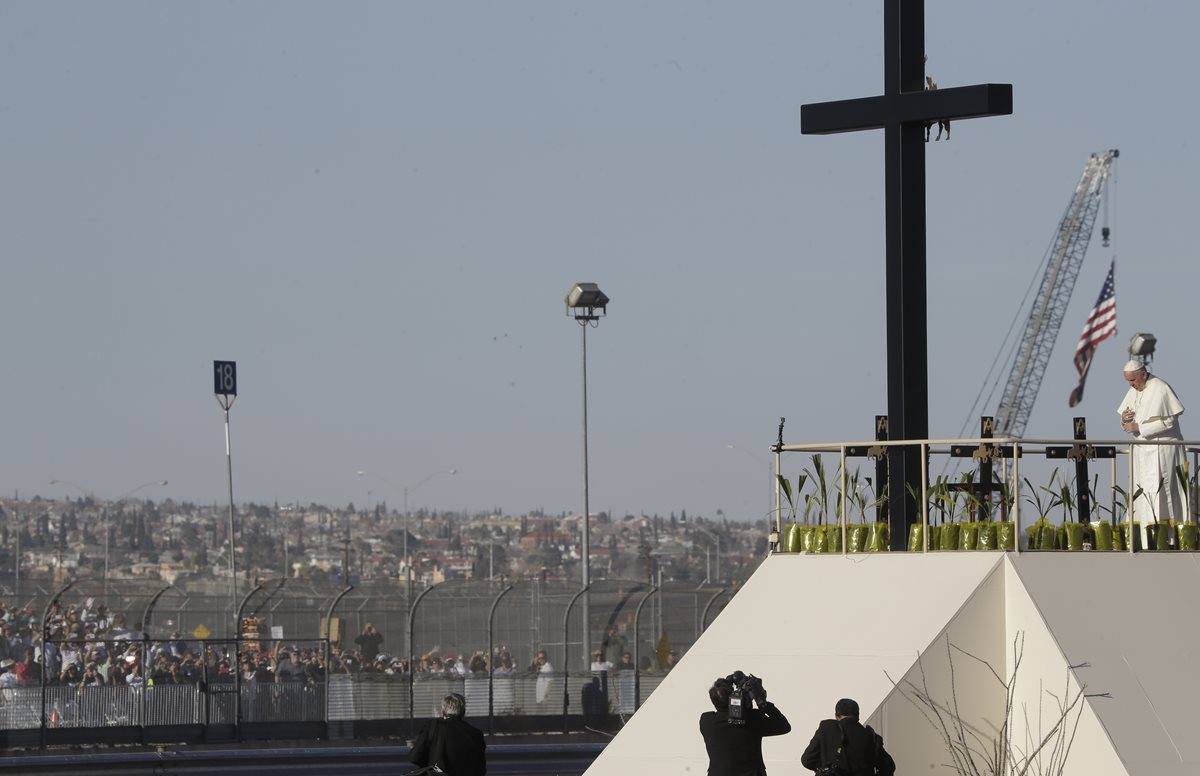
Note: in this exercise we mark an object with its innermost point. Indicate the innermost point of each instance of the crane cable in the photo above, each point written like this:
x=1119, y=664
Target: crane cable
x=1009, y=342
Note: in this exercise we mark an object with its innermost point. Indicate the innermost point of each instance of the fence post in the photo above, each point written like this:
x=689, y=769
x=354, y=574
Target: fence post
x=707, y=607
x=237, y=659
x=45, y=640
x=491, y=658
x=637, y=616
x=412, y=616
x=566, y=656
x=325, y=648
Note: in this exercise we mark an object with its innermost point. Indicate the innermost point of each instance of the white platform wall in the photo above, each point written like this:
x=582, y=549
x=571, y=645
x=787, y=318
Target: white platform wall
x=818, y=628
x=815, y=628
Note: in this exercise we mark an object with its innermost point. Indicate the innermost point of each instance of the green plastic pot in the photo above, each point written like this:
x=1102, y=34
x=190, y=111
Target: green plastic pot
x=1103, y=531
x=819, y=538
x=935, y=538
x=1042, y=535
x=1006, y=535
x=950, y=534
x=1120, y=534
x=916, y=538
x=792, y=539
x=968, y=536
x=856, y=537
x=809, y=538
x=878, y=537
x=1073, y=533
x=1136, y=540
x=987, y=536
x=1158, y=537
x=1189, y=537
x=833, y=538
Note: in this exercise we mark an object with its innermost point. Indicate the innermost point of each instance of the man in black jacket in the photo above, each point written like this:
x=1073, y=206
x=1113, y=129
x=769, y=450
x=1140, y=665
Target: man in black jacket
x=857, y=750
x=736, y=750
x=450, y=743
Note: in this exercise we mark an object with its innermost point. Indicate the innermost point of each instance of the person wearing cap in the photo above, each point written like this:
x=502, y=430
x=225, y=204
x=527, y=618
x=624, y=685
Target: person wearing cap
x=451, y=743
x=1150, y=411
x=854, y=747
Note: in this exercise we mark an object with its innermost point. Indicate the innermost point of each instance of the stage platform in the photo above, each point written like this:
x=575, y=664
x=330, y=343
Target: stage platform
x=821, y=627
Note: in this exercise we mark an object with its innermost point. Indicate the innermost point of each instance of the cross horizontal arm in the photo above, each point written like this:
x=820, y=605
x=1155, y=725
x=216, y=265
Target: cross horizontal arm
x=960, y=102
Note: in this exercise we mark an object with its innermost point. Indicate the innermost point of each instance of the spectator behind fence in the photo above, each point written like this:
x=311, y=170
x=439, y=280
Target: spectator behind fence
x=368, y=643
x=545, y=676
x=845, y=743
x=451, y=743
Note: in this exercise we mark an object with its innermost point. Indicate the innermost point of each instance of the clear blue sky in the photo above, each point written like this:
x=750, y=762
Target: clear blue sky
x=377, y=208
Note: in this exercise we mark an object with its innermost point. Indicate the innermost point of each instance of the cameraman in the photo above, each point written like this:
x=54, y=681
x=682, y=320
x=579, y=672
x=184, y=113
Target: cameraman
x=856, y=750
x=736, y=749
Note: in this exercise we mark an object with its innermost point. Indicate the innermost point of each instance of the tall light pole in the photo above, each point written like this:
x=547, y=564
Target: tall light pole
x=586, y=303
x=225, y=389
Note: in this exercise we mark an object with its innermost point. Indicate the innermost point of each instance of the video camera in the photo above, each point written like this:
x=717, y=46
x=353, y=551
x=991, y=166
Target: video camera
x=747, y=688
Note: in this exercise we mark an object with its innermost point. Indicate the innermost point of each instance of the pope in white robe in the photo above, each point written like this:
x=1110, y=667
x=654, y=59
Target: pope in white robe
x=1150, y=411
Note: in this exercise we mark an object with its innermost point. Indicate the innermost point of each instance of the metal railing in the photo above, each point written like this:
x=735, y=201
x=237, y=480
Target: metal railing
x=1007, y=453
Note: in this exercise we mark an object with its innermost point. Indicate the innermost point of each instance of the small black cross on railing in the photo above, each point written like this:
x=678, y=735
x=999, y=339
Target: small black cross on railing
x=902, y=111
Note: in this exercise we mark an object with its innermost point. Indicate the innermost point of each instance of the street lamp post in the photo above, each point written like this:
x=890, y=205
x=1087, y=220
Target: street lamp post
x=406, y=490
x=587, y=304
x=717, y=537
x=119, y=500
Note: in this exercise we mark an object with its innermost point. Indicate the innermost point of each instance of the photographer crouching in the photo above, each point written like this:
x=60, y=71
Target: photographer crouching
x=733, y=733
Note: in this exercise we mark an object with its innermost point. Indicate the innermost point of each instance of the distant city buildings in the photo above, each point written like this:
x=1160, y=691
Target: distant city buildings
x=175, y=542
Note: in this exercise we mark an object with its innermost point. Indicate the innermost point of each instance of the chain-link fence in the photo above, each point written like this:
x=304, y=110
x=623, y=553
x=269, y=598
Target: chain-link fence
x=98, y=657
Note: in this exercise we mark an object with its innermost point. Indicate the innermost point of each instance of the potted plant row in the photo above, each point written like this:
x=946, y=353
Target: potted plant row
x=951, y=525
x=803, y=534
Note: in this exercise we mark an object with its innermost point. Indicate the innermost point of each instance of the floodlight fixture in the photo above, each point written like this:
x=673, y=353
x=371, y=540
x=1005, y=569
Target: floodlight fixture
x=584, y=299
x=1141, y=346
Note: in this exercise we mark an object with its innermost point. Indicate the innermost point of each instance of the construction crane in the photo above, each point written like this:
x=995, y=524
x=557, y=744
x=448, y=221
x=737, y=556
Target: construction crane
x=1063, y=262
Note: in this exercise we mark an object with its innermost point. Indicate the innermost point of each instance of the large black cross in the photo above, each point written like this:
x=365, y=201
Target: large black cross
x=903, y=111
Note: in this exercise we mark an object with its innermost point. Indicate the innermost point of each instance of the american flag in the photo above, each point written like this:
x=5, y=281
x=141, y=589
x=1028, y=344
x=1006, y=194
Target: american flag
x=1101, y=324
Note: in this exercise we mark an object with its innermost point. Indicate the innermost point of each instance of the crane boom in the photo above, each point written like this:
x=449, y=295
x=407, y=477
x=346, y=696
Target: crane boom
x=1046, y=314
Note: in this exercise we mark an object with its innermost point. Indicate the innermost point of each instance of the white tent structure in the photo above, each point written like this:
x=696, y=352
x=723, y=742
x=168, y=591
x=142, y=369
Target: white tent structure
x=1114, y=630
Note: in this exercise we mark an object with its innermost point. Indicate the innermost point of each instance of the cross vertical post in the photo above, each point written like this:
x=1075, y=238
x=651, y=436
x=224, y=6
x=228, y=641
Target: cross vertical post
x=902, y=112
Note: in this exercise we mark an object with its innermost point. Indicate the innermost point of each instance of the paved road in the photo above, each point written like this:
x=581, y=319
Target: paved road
x=565, y=759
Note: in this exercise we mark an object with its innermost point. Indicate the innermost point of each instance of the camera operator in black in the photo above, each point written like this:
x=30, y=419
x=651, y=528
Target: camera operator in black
x=861, y=748
x=736, y=749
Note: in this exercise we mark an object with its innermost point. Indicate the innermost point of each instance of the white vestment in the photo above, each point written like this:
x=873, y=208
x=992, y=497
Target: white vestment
x=1156, y=410
x=544, y=678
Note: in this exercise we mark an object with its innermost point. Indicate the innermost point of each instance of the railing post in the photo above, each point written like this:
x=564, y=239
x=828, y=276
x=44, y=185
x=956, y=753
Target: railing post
x=924, y=499
x=842, y=526
x=1016, y=490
